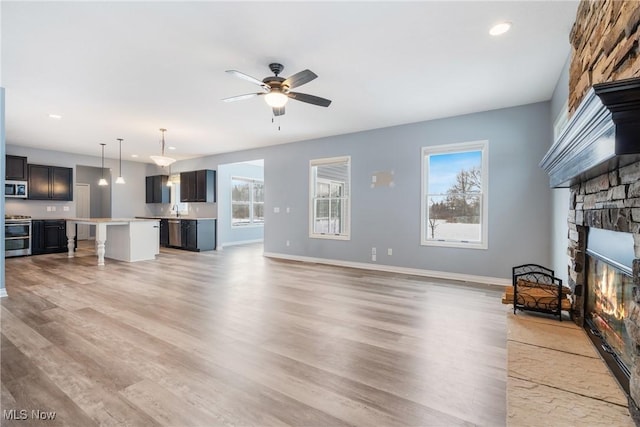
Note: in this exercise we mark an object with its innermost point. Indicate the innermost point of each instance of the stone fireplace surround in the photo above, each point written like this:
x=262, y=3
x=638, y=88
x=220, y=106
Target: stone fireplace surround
x=597, y=156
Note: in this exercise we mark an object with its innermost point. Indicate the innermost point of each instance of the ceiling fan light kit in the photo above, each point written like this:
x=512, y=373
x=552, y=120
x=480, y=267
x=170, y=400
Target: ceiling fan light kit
x=277, y=90
x=276, y=99
x=162, y=160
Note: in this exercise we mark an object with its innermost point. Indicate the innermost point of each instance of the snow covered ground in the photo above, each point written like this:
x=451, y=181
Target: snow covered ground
x=454, y=231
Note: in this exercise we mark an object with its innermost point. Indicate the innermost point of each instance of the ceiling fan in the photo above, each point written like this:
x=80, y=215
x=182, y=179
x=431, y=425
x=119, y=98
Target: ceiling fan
x=277, y=90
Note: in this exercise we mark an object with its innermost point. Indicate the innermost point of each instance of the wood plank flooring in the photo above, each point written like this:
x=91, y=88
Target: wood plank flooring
x=231, y=338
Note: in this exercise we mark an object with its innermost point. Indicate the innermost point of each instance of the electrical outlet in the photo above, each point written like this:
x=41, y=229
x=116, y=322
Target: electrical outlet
x=373, y=257
x=373, y=251
x=389, y=251
x=276, y=210
x=288, y=243
x=65, y=208
x=288, y=209
x=48, y=208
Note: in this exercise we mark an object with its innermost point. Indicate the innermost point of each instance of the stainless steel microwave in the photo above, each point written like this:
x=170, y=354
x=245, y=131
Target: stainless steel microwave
x=17, y=189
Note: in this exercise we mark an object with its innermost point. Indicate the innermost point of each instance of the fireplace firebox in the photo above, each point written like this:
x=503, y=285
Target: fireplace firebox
x=608, y=304
x=609, y=299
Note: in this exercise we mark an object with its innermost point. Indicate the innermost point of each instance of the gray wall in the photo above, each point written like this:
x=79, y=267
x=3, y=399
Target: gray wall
x=226, y=234
x=100, y=196
x=519, y=195
x=128, y=199
x=560, y=196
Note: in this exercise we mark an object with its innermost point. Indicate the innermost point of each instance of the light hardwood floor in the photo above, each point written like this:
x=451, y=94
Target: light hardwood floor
x=232, y=338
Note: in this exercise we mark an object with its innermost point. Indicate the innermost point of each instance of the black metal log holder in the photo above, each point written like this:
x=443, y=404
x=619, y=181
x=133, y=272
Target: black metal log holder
x=543, y=291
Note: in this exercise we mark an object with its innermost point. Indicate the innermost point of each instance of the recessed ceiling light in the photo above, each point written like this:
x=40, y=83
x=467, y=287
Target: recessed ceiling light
x=500, y=28
x=134, y=155
x=55, y=116
x=171, y=148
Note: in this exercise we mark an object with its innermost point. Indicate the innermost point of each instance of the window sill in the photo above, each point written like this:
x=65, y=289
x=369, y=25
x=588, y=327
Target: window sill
x=330, y=236
x=449, y=244
x=248, y=226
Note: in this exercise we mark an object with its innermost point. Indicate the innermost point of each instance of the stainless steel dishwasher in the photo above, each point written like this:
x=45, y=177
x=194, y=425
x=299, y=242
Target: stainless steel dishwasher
x=175, y=234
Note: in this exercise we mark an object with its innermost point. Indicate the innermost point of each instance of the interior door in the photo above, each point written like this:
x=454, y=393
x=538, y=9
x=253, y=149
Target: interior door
x=83, y=208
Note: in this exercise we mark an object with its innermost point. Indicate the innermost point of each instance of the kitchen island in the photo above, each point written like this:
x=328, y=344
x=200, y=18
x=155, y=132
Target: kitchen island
x=130, y=239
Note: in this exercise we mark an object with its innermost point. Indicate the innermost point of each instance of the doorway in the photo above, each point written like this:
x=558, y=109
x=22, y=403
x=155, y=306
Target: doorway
x=240, y=203
x=83, y=209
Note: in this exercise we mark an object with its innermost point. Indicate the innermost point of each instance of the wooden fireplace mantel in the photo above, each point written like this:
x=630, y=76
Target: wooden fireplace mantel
x=601, y=136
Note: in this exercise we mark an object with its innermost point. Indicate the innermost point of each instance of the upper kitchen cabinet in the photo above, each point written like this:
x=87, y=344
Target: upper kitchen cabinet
x=16, y=168
x=157, y=190
x=198, y=186
x=50, y=183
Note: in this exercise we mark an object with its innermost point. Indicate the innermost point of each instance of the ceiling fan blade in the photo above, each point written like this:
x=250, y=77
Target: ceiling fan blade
x=310, y=99
x=298, y=79
x=278, y=111
x=249, y=79
x=241, y=97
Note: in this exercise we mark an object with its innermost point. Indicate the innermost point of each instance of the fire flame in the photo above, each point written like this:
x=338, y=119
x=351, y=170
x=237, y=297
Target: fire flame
x=607, y=297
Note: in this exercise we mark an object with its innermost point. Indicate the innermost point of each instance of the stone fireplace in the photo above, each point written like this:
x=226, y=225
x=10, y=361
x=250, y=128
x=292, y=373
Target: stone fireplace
x=597, y=156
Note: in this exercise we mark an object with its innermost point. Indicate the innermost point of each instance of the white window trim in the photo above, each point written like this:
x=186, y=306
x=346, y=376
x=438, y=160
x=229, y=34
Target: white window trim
x=561, y=121
x=482, y=146
x=251, y=224
x=327, y=161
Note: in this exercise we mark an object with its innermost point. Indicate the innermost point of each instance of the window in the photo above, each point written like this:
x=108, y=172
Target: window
x=454, y=195
x=330, y=198
x=247, y=202
x=176, y=205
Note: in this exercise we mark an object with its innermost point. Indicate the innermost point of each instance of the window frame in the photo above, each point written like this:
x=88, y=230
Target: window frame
x=483, y=147
x=252, y=223
x=347, y=198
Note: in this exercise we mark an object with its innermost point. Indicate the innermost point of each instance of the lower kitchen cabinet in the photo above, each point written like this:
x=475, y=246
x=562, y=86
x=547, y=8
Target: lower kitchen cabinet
x=198, y=234
x=164, y=232
x=48, y=236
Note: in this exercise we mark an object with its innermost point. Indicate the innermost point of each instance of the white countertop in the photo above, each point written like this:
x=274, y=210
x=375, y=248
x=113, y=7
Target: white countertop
x=110, y=220
x=174, y=217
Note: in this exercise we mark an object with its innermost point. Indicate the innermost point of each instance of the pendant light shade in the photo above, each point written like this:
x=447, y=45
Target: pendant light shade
x=103, y=181
x=120, y=179
x=162, y=160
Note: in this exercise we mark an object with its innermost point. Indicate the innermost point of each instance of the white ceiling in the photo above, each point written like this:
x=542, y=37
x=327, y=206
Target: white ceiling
x=125, y=69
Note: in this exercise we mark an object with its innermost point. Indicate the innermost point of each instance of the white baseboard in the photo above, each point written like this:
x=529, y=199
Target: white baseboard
x=394, y=269
x=3, y=293
x=241, y=242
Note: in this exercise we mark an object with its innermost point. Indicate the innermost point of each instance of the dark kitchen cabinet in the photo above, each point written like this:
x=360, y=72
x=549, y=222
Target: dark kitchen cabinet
x=16, y=168
x=50, y=183
x=48, y=236
x=198, y=234
x=164, y=232
x=198, y=186
x=157, y=190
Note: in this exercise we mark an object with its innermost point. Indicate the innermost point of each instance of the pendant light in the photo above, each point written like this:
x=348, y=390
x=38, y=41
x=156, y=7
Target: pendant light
x=162, y=160
x=120, y=179
x=103, y=181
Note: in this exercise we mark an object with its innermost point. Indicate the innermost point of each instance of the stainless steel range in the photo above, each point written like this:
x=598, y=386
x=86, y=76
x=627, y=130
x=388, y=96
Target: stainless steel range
x=17, y=235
